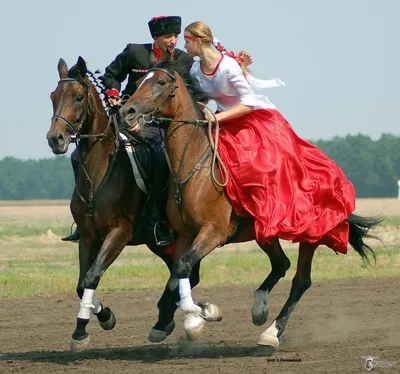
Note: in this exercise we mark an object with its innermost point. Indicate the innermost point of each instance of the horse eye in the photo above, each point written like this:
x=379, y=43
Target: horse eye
x=162, y=82
x=79, y=98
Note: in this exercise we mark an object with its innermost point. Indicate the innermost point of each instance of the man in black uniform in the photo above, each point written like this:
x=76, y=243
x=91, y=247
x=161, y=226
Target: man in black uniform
x=137, y=57
x=133, y=62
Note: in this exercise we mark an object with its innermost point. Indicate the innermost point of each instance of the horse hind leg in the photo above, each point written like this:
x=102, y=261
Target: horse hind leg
x=279, y=265
x=301, y=282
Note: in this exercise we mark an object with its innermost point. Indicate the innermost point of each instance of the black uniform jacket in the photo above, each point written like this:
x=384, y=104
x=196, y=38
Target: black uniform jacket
x=137, y=56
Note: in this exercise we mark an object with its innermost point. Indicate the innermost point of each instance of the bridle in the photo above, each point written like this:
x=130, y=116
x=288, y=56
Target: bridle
x=76, y=129
x=150, y=116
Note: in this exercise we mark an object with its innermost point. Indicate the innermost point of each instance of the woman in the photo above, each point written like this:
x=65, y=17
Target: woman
x=290, y=188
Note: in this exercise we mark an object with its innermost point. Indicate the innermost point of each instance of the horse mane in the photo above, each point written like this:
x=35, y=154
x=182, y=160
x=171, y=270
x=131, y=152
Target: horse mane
x=94, y=77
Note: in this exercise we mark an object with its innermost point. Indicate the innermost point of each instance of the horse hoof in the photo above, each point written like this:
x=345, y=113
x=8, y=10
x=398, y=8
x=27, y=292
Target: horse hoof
x=259, y=312
x=79, y=345
x=157, y=336
x=210, y=312
x=193, y=326
x=269, y=337
x=110, y=324
x=268, y=340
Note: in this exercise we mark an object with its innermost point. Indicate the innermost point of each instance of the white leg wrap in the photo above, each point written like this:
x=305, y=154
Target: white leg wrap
x=272, y=330
x=185, y=292
x=86, y=304
x=96, y=306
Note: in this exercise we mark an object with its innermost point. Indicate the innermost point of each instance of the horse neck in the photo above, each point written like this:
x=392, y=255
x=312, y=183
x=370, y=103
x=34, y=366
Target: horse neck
x=98, y=119
x=179, y=133
x=95, y=153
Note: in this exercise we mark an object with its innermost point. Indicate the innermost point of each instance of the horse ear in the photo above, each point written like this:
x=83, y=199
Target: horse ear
x=62, y=68
x=81, y=67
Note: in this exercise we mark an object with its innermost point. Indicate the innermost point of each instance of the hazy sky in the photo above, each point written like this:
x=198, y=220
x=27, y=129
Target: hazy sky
x=340, y=59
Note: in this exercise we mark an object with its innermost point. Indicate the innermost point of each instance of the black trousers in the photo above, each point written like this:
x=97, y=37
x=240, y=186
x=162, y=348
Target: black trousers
x=159, y=173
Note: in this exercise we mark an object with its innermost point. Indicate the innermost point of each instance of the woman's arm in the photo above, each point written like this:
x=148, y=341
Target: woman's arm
x=245, y=93
x=236, y=111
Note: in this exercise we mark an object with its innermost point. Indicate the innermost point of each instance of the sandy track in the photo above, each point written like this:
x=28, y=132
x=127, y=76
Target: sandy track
x=335, y=324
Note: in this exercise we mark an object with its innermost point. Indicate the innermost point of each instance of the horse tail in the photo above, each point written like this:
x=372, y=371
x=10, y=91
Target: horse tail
x=359, y=230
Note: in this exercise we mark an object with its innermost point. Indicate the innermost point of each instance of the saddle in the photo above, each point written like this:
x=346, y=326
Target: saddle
x=139, y=153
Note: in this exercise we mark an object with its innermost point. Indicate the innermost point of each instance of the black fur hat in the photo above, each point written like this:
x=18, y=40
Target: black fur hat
x=164, y=25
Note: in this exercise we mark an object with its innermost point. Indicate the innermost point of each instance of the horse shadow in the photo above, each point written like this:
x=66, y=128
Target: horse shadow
x=144, y=354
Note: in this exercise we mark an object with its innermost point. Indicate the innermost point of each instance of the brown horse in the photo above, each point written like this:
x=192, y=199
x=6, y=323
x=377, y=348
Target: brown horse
x=106, y=203
x=200, y=211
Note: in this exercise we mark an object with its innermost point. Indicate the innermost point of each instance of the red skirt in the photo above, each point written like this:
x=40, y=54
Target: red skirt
x=289, y=187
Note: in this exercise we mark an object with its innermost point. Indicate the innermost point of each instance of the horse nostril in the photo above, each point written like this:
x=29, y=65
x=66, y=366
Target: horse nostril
x=60, y=137
x=130, y=111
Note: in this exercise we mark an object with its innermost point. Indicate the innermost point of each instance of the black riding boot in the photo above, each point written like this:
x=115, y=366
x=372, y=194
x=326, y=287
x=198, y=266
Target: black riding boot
x=73, y=237
x=163, y=234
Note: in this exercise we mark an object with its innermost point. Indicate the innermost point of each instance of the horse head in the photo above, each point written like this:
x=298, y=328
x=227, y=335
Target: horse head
x=71, y=101
x=154, y=97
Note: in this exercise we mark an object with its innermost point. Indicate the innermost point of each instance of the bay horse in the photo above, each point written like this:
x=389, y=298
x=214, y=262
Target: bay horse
x=106, y=203
x=199, y=210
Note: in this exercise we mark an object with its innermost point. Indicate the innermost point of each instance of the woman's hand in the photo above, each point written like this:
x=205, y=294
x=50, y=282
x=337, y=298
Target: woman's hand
x=247, y=58
x=209, y=116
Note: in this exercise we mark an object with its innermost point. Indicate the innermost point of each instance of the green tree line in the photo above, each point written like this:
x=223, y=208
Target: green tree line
x=372, y=165
x=48, y=178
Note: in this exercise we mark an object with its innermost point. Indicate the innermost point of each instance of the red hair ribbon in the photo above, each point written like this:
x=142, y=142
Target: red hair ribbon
x=190, y=37
x=223, y=50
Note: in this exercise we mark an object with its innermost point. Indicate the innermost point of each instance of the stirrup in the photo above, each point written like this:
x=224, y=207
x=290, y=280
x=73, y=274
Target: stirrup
x=73, y=236
x=166, y=240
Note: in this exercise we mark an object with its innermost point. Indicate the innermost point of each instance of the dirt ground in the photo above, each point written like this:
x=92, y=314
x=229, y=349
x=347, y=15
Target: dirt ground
x=335, y=325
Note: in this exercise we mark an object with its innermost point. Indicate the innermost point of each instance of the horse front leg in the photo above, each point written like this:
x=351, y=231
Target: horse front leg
x=87, y=254
x=205, y=242
x=300, y=284
x=167, y=305
x=112, y=246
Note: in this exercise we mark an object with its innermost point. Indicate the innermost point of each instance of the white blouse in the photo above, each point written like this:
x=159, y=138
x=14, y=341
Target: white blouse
x=228, y=86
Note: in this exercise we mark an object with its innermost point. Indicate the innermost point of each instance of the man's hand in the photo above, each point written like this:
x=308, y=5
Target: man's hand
x=135, y=127
x=114, y=101
x=247, y=58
